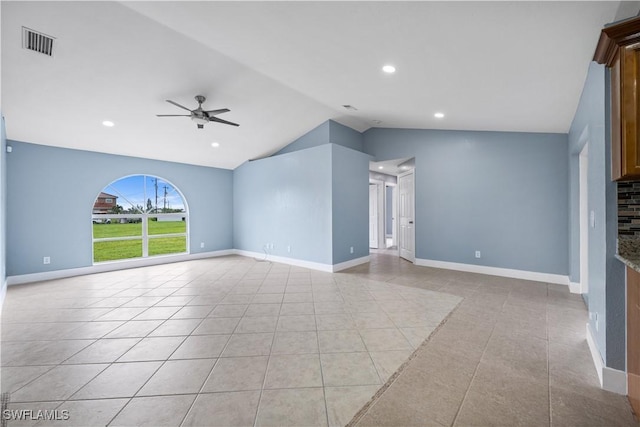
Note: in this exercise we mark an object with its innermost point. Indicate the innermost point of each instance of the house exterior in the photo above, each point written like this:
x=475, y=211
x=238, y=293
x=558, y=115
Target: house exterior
x=104, y=203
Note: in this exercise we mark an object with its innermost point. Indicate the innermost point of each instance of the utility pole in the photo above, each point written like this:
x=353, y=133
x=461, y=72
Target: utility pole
x=164, y=209
x=156, y=185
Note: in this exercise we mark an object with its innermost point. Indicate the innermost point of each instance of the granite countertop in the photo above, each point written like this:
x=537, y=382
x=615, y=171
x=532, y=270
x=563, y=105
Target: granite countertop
x=629, y=251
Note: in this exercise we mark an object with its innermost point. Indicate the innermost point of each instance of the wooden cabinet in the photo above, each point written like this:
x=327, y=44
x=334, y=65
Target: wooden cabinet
x=619, y=49
x=633, y=338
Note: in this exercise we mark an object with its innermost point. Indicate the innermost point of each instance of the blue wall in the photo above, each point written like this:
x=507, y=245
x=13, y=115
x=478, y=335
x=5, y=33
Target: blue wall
x=285, y=200
x=313, y=138
x=616, y=321
x=504, y=194
x=313, y=200
x=350, y=203
x=606, y=296
x=328, y=132
x=51, y=196
x=3, y=210
x=345, y=136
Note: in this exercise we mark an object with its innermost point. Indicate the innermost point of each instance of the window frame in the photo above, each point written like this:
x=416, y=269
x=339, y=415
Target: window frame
x=145, y=217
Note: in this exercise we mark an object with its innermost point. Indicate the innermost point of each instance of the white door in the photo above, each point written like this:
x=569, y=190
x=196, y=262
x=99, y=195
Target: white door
x=373, y=217
x=584, y=220
x=406, y=212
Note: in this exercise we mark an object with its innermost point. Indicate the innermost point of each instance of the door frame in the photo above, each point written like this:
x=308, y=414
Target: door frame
x=394, y=212
x=380, y=205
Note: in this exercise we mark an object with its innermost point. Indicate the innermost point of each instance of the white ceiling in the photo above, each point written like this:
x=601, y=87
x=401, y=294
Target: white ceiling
x=283, y=68
x=390, y=167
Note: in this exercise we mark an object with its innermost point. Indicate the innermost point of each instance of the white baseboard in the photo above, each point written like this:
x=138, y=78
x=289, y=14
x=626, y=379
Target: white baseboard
x=574, y=288
x=112, y=266
x=595, y=354
x=145, y=262
x=610, y=379
x=614, y=380
x=496, y=271
x=351, y=263
x=329, y=268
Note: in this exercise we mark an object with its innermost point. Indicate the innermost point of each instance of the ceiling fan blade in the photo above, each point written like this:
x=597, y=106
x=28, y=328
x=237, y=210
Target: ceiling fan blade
x=173, y=115
x=178, y=105
x=215, y=119
x=220, y=111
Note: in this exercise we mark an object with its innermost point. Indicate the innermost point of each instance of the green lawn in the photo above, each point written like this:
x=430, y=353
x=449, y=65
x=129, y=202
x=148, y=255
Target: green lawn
x=167, y=245
x=115, y=229
x=118, y=249
x=167, y=227
x=124, y=249
x=101, y=231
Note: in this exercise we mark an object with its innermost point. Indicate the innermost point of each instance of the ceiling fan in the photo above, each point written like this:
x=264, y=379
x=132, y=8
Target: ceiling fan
x=200, y=116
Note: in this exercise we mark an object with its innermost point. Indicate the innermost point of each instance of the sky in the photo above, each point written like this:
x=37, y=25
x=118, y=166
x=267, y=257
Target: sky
x=137, y=189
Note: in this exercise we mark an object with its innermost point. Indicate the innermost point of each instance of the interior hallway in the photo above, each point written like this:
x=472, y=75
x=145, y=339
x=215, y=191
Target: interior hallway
x=232, y=341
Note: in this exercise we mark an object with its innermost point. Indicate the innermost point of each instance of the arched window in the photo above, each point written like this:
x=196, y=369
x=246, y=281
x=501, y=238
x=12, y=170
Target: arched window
x=139, y=216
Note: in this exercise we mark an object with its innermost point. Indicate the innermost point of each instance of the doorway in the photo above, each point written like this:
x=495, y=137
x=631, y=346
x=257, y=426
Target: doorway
x=375, y=236
x=384, y=208
x=583, y=166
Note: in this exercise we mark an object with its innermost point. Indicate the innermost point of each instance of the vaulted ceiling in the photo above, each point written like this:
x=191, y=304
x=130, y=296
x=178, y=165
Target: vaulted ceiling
x=283, y=68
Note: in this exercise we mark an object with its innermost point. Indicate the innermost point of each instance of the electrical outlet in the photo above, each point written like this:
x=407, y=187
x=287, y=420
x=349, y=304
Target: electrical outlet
x=46, y=260
x=289, y=248
x=202, y=244
x=477, y=254
x=351, y=249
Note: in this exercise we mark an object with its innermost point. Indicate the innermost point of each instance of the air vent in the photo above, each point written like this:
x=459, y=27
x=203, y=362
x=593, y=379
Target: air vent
x=37, y=42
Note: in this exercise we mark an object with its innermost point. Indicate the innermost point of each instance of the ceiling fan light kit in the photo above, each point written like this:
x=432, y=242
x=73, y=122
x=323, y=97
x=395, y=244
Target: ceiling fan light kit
x=200, y=116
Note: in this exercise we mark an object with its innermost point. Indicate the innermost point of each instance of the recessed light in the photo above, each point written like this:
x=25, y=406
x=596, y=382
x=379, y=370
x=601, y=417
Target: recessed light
x=380, y=167
x=215, y=144
x=389, y=69
x=439, y=115
x=108, y=123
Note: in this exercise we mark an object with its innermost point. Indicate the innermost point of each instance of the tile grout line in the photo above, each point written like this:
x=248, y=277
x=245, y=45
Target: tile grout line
x=357, y=417
x=156, y=371
x=475, y=371
x=264, y=380
x=82, y=349
x=324, y=391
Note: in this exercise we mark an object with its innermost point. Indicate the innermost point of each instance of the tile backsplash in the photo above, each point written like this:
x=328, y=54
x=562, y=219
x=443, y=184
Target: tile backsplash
x=629, y=209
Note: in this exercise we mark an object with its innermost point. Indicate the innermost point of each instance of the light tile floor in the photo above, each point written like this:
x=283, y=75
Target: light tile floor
x=225, y=341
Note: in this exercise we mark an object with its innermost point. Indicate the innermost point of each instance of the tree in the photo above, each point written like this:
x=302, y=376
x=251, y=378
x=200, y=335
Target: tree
x=117, y=209
x=149, y=205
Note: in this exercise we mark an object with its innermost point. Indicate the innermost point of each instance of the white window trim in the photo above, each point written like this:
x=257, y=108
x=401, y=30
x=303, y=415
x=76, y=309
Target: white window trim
x=145, y=236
